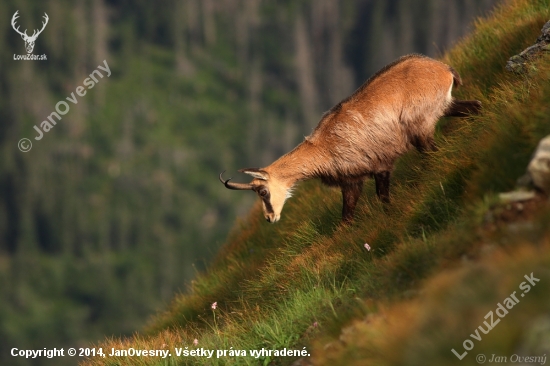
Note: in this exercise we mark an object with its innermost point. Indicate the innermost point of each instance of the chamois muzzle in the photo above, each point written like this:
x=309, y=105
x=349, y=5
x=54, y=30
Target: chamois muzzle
x=236, y=186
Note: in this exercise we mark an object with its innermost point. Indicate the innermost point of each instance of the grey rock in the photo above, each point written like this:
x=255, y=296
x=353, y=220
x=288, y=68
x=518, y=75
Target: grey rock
x=539, y=167
x=516, y=196
x=518, y=63
x=545, y=36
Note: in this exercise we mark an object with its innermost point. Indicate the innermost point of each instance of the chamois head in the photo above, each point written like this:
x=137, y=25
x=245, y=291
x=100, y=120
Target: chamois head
x=272, y=191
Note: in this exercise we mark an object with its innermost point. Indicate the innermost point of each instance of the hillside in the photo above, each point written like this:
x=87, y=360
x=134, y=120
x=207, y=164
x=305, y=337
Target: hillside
x=443, y=254
x=118, y=207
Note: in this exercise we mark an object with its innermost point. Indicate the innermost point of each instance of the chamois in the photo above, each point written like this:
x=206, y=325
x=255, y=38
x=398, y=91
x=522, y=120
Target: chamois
x=363, y=135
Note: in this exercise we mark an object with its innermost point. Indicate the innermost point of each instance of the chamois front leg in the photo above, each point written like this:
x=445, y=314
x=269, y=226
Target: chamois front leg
x=350, y=196
x=382, y=181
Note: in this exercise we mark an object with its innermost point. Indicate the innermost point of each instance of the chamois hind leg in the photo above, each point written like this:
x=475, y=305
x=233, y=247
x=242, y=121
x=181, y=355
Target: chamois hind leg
x=382, y=181
x=463, y=108
x=424, y=143
x=350, y=196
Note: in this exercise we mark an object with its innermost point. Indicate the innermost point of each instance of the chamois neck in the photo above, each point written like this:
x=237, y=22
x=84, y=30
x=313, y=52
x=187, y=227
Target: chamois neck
x=302, y=163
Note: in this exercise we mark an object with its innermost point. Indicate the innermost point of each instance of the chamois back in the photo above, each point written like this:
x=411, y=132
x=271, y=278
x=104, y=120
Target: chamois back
x=394, y=110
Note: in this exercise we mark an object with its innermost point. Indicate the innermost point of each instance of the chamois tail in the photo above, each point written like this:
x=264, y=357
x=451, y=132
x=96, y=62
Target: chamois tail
x=456, y=77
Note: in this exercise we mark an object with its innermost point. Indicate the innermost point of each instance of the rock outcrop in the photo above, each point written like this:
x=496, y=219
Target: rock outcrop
x=518, y=63
x=539, y=167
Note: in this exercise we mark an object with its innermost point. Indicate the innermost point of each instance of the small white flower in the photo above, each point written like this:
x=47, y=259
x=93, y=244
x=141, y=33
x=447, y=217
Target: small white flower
x=367, y=247
x=195, y=342
x=214, y=305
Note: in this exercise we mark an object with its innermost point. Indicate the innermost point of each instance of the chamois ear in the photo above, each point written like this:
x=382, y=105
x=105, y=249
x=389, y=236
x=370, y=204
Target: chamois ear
x=256, y=173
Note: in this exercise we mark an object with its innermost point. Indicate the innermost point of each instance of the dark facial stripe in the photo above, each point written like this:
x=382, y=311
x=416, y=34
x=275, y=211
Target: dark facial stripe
x=267, y=200
x=267, y=203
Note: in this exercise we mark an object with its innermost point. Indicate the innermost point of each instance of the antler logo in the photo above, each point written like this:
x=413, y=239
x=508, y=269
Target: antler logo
x=29, y=40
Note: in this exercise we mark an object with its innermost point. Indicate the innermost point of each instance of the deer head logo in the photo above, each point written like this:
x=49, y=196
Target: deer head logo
x=29, y=40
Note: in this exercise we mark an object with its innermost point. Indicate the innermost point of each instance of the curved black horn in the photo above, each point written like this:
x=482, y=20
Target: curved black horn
x=236, y=186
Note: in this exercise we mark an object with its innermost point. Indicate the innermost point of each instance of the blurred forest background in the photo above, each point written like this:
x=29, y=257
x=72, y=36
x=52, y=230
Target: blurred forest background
x=119, y=205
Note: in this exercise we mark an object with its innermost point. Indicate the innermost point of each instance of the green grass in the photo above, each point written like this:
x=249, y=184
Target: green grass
x=435, y=269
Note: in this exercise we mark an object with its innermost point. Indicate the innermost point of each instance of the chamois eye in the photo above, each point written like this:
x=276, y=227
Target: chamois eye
x=263, y=192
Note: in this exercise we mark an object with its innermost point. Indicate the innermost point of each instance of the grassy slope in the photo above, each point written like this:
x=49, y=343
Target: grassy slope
x=437, y=263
